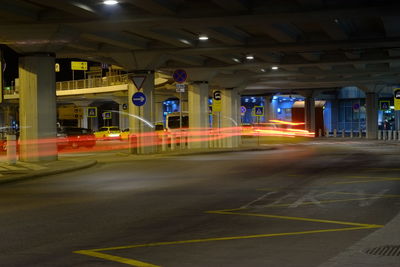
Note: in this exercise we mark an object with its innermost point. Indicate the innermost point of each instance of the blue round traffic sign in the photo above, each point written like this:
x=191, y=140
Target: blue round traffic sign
x=179, y=76
x=139, y=99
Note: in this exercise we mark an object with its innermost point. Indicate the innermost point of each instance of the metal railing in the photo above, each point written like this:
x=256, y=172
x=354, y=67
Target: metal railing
x=83, y=84
x=92, y=83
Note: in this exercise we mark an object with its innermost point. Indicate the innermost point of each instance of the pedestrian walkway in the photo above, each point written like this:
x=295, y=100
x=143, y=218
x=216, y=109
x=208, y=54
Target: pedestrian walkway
x=24, y=170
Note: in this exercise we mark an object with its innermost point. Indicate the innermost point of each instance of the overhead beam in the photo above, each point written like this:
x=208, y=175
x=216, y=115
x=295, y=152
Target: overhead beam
x=116, y=40
x=163, y=7
x=74, y=8
x=233, y=5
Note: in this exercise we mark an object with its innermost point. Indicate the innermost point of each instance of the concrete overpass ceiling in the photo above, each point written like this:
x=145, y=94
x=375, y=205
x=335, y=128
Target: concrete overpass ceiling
x=312, y=42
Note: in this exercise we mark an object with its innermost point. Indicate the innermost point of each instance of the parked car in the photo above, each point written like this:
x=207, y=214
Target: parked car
x=75, y=137
x=108, y=132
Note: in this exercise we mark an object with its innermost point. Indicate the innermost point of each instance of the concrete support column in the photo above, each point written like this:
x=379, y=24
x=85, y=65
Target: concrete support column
x=84, y=122
x=397, y=119
x=371, y=103
x=37, y=108
x=268, y=109
x=335, y=114
x=230, y=117
x=198, y=114
x=141, y=118
x=123, y=116
x=309, y=114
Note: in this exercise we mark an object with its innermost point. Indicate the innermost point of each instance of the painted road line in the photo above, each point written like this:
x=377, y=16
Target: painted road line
x=95, y=252
x=156, y=244
x=295, y=218
x=115, y=258
x=321, y=202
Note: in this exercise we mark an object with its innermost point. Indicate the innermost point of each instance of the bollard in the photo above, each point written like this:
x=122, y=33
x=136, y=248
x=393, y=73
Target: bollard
x=133, y=144
x=164, y=141
x=389, y=138
x=379, y=135
x=351, y=133
x=334, y=133
x=319, y=132
x=360, y=134
x=343, y=133
x=11, y=149
x=327, y=133
x=384, y=135
x=398, y=135
x=172, y=142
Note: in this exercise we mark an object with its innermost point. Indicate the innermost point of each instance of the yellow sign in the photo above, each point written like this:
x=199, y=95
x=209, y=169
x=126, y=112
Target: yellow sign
x=79, y=65
x=216, y=101
x=57, y=67
x=396, y=93
x=70, y=113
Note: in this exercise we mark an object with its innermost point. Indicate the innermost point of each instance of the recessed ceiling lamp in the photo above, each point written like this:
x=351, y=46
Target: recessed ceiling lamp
x=203, y=37
x=110, y=2
x=236, y=60
x=249, y=57
x=274, y=67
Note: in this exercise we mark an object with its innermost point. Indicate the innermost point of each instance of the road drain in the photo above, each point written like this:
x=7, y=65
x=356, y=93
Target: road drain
x=388, y=250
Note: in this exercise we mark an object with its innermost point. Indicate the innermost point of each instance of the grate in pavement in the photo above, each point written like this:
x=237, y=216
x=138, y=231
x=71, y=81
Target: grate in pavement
x=388, y=250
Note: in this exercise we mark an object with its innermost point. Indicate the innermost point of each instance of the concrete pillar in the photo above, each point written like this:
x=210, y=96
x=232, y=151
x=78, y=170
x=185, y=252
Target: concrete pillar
x=230, y=117
x=309, y=114
x=84, y=122
x=397, y=119
x=198, y=114
x=268, y=109
x=123, y=115
x=37, y=108
x=141, y=118
x=372, y=115
x=334, y=114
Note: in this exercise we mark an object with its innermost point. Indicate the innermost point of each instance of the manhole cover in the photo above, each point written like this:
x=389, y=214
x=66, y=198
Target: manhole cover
x=388, y=250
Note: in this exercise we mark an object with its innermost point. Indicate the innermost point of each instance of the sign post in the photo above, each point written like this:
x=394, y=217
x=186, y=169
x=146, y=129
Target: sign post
x=180, y=77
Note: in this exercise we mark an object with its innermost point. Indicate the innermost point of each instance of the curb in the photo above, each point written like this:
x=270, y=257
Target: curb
x=24, y=177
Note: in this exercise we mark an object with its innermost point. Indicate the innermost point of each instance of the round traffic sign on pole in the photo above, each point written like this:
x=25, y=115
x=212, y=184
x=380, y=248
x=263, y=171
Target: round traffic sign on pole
x=139, y=99
x=217, y=95
x=179, y=76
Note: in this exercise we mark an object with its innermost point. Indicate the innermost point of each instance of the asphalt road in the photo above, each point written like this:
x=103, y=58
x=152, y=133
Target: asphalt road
x=294, y=206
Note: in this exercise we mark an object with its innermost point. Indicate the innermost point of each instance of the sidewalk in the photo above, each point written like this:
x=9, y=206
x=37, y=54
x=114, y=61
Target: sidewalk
x=24, y=170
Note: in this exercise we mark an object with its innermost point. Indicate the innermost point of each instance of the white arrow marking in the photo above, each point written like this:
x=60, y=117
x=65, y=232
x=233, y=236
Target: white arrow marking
x=141, y=99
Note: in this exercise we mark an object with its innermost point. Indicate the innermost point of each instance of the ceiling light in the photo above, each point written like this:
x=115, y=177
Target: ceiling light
x=250, y=57
x=203, y=37
x=274, y=67
x=110, y=2
x=262, y=70
x=236, y=60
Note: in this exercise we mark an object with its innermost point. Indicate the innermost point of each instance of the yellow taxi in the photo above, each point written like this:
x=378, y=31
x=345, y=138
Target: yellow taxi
x=108, y=133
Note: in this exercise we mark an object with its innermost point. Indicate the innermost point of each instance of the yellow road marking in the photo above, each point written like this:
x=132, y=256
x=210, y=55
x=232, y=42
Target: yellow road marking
x=156, y=244
x=109, y=257
x=357, y=226
x=295, y=218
